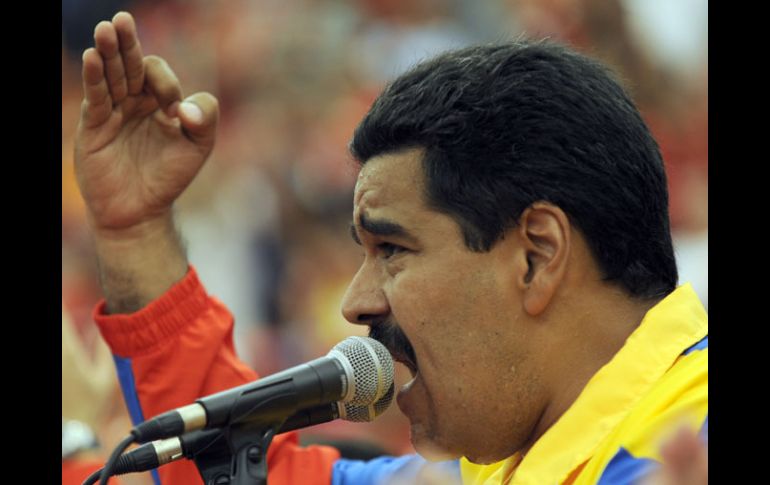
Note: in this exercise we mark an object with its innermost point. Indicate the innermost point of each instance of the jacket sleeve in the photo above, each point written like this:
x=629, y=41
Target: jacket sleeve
x=179, y=348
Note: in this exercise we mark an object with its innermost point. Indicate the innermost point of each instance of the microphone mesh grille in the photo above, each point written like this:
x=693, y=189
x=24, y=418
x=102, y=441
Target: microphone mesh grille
x=382, y=404
x=358, y=414
x=364, y=414
x=372, y=369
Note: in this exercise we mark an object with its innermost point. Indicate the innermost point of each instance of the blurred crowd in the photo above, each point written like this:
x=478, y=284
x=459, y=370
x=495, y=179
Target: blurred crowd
x=266, y=221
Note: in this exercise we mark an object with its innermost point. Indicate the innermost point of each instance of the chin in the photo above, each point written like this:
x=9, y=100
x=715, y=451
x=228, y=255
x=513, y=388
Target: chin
x=431, y=452
x=481, y=460
x=430, y=449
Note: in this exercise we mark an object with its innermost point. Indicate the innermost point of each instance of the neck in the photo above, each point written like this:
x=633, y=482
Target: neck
x=585, y=337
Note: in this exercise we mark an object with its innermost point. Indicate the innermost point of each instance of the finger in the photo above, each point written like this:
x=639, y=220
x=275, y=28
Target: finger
x=199, y=115
x=163, y=84
x=97, y=103
x=107, y=44
x=680, y=449
x=685, y=458
x=131, y=52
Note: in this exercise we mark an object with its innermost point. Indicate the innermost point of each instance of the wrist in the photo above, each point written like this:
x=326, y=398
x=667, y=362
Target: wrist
x=151, y=228
x=139, y=263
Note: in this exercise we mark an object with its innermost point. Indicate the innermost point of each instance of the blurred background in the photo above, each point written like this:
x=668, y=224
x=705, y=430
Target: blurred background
x=266, y=219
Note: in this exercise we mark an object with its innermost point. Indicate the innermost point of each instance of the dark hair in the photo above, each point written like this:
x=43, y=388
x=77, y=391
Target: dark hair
x=503, y=126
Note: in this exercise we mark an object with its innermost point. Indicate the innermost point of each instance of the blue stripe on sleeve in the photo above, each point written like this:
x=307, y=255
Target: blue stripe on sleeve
x=386, y=469
x=127, y=384
x=624, y=468
x=703, y=344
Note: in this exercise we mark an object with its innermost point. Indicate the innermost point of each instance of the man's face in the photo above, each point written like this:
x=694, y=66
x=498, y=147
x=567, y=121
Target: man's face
x=453, y=316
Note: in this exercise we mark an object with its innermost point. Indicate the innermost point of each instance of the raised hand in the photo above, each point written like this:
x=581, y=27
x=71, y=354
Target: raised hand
x=138, y=145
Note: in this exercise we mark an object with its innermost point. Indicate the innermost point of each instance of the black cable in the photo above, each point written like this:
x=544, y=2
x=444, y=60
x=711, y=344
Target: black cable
x=107, y=470
x=92, y=478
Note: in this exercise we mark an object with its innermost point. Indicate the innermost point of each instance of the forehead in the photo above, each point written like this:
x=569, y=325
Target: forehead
x=393, y=180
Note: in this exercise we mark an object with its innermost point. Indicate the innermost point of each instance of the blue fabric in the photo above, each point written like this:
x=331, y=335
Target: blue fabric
x=376, y=471
x=128, y=385
x=703, y=344
x=624, y=468
x=704, y=431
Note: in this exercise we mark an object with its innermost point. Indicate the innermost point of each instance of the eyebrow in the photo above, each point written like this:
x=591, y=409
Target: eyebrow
x=380, y=227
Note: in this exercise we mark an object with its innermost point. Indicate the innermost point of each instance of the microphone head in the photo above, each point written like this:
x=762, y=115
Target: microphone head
x=364, y=414
x=369, y=368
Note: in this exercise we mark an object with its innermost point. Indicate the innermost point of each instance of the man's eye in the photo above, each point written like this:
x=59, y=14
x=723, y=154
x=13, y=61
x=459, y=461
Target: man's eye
x=387, y=249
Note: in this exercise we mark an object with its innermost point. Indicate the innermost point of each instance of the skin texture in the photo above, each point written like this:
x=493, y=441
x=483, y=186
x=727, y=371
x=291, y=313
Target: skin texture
x=138, y=146
x=451, y=303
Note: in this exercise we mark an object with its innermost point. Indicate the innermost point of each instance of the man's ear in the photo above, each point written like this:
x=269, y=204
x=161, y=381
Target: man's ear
x=544, y=232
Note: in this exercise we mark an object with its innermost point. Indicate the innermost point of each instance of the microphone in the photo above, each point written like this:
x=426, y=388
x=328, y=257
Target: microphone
x=357, y=372
x=160, y=452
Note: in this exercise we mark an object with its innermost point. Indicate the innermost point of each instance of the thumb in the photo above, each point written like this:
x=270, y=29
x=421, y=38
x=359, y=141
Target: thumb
x=199, y=114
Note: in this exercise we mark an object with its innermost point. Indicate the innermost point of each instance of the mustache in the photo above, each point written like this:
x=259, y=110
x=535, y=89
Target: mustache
x=395, y=340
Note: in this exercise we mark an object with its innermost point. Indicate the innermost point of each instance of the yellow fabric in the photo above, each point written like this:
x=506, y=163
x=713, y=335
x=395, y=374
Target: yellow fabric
x=635, y=401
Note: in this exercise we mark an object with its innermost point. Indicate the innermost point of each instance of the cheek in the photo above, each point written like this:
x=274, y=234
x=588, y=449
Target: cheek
x=472, y=353
x=427, y=288
x=488, y=419
x=447, y=313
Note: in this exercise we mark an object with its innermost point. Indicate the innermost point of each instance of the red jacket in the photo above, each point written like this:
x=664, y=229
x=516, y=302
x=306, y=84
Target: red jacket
x=179, y=348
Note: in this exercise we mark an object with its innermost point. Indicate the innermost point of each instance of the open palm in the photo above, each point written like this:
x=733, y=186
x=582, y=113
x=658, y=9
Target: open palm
x=137, y=146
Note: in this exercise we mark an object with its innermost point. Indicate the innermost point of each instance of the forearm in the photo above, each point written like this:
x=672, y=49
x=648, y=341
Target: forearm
x=139, y=264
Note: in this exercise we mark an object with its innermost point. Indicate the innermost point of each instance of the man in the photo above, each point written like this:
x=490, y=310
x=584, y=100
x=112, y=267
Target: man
x=512, y=208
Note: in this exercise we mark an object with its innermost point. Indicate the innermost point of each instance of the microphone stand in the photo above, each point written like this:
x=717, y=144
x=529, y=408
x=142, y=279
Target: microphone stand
x=214, y=462
x=250, y=460
x=243, y=461
x=247, y=465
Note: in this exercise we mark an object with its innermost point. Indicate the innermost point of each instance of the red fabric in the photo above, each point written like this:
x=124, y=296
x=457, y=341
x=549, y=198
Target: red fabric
x=181, y=348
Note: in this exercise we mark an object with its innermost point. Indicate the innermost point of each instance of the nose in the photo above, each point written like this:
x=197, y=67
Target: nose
x=364, y=301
